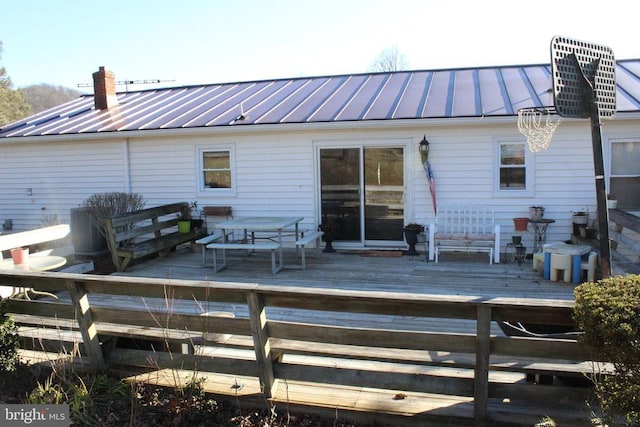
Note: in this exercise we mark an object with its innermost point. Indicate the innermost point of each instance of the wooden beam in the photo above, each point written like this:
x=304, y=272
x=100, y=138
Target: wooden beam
x=258, y=315
x=483, y=350
x=80, y=299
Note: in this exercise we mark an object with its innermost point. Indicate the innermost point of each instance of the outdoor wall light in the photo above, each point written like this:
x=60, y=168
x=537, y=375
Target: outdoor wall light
x=424, y=147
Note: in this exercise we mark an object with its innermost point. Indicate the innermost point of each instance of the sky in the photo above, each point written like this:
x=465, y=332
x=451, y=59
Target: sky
x=62, y=42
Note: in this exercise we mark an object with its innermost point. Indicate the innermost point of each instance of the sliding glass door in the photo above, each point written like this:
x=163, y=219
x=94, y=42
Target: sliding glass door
x=362, y=193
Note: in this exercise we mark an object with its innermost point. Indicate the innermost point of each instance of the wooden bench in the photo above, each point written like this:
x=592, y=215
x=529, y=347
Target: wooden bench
x=138, y=234
x=306, y=239
x=465, y=228
x=256, y=246
x=206, y=240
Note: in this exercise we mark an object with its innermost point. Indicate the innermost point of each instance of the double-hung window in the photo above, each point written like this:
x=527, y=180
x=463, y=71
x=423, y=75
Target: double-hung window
x=216, y=170
x=514, y=168
x=624, y=181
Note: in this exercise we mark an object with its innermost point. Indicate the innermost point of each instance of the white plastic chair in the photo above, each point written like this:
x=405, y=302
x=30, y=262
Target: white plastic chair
x=538, y=261
x=561, y=262
x=589, y=266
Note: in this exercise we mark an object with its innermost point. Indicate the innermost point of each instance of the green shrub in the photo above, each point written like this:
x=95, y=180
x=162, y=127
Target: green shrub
x=608, y=313
x=9, y=341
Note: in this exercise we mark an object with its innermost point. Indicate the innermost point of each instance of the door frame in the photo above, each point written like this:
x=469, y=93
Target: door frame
x=407, y=146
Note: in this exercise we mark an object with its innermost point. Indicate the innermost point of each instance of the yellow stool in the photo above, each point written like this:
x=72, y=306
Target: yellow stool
x=560, y=262
x=589, y=266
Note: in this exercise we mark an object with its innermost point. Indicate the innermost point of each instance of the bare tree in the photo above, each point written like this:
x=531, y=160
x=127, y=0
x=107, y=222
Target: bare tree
x=390, y=59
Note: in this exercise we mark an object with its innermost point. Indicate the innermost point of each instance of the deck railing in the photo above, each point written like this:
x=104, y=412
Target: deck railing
x=625, y=240
x=482, y=372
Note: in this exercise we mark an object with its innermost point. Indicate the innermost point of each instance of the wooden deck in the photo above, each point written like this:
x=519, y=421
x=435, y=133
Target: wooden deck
x=455, y=274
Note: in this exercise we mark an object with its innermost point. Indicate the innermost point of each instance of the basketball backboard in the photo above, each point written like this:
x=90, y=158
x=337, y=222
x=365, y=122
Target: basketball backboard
x=573, y=61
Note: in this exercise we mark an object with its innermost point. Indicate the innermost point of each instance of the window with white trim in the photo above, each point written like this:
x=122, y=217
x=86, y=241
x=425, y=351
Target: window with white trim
x=514, y=168
x=216, y=170
x=624, y=181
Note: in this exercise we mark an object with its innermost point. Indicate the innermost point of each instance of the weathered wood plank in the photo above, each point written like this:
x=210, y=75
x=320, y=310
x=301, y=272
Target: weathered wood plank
x=260, y=333
x=389, y=376
x=86, y=324
x=379, y=338
x=165, y=360
x=481, y=371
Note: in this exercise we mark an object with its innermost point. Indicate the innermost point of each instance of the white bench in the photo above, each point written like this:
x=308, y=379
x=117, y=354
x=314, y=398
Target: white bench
x=465, y=228
x=306, y=239
x=268, y=245
x=211, y=238
x=55, y=235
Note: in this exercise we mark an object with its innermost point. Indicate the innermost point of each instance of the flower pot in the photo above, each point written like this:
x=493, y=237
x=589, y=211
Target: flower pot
x=520, y=223
x=184, y=226
x=536, y=213
x=516, y=240
x=581, y=218
x=20, y=255
x=331, y=233
x=411, y=236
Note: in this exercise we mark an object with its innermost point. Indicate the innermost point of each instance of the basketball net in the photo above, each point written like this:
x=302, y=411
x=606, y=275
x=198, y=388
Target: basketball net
x=538, y=125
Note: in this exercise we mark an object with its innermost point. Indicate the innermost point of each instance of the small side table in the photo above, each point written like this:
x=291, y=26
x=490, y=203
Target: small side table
x=35, y=263
x=540, y=232
x=518, y=252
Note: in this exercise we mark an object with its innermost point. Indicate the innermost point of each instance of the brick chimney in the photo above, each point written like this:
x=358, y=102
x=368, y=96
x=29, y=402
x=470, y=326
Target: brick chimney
x=104, y=89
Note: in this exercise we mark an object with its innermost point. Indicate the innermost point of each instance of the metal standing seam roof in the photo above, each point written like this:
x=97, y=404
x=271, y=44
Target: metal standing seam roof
x=422, y=94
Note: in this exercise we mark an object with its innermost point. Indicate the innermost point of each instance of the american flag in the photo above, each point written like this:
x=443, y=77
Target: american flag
x=432, y=185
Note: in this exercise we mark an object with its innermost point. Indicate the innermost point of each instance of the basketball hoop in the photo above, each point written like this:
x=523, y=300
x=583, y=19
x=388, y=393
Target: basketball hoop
x=538, y=125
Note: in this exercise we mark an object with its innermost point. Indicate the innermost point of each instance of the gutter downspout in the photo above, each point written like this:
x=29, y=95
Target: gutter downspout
x=127, y=166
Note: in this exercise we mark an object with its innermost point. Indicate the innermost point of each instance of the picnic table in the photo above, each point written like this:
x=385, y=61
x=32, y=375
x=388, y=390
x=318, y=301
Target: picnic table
x=250, y=226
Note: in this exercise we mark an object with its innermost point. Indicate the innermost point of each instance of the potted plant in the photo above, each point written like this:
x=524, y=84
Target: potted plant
x=580, y=217
x=536, y=212
x=612, y=203
x=411, y=232
x=580, y=220
x=331, y=229
x=195, y=222
x=186, y=218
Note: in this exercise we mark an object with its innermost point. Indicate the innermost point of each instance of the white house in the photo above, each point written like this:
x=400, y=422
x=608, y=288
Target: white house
x=335, y=146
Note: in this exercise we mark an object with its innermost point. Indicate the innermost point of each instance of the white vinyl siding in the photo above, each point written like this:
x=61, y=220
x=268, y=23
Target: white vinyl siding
x=275, y=170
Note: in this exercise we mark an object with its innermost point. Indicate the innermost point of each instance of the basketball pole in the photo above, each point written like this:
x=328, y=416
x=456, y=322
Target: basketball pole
x=590, y=98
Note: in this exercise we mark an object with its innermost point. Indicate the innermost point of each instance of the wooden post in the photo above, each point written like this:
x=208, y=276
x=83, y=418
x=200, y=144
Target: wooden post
x=258, y=316
x=481, y=373
x=80, y=299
